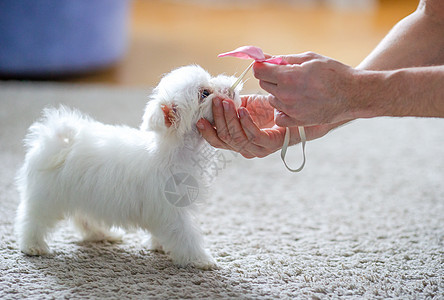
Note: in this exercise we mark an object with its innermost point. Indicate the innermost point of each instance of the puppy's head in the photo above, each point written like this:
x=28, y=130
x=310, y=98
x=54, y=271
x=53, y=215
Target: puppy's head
x=184, y=96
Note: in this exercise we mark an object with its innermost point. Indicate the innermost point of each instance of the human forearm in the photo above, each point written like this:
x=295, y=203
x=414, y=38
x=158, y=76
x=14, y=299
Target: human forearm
x=415, y=41
x=405, y=92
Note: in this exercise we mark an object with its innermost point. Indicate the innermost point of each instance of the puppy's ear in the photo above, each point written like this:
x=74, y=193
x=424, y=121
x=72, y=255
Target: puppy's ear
x=171, y=116
x=159, y=117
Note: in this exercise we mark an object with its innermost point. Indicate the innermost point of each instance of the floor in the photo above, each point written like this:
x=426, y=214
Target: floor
x=364, y=220
x=167, y=34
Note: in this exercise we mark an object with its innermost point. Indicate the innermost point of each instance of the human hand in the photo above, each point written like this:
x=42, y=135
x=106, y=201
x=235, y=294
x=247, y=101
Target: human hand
x=251, y=130
x=309, y=90
x=260, y=110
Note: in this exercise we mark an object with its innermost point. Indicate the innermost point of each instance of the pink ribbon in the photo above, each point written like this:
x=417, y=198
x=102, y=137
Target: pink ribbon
x=252, y=52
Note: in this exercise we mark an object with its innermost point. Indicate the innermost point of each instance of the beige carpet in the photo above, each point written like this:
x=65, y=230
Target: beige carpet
x=365, y=219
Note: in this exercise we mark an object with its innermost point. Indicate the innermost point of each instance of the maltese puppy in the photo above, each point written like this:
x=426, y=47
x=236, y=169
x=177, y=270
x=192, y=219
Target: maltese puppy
x=104, y=177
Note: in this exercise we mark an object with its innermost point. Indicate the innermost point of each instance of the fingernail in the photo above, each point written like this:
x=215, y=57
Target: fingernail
x=217, y=102
x=242, y=112
x=200, y=124
x=226, y=105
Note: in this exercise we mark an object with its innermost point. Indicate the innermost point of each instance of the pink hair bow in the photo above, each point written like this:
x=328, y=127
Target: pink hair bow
x=252, y=52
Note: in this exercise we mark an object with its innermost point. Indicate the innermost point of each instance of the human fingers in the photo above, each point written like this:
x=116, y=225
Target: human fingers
x=253, y=144
x=255, y=135
x=225, y=120
x=298, y=59
x=266, y=72
x=235, y=135
x=247, y=99
x=260, y=109
x=237, y=138
x=252, y=132
x=282, y=81
x=269, y=87
x=283, y=120
x=278, y=106
x=262, y=142
x=219, y=120
x=253, y=100
x=270, y=72
x=210, y=134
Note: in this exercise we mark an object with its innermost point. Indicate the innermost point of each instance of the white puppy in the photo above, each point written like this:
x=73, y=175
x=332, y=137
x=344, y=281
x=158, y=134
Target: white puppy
x=105, y=176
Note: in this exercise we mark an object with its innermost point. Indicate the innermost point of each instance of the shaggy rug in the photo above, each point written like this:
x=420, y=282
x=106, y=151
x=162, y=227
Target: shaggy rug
x=364, y=219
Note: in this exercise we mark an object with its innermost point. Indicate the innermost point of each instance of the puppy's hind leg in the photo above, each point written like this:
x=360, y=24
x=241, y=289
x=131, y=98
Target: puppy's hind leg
x=155, y=245
x=32, y=226
x=92, y=231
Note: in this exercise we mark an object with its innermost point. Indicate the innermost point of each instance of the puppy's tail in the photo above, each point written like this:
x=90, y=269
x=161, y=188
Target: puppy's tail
x=53, y=135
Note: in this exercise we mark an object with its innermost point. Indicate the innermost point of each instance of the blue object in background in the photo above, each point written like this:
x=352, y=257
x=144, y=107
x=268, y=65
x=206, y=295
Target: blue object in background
x=61, y=37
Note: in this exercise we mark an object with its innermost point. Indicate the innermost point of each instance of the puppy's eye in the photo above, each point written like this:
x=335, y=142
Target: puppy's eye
x=204, y=94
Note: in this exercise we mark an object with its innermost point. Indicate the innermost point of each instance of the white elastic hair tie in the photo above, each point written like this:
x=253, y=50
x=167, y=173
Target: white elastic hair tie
x=287, y=142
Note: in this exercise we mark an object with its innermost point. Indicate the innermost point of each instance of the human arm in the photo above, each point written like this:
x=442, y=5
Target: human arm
x=316, y=90
x=415, y=41
x=367, y=93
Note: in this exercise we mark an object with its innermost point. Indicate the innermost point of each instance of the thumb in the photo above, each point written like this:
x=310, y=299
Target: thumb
x=297, y=59
x=283, y=120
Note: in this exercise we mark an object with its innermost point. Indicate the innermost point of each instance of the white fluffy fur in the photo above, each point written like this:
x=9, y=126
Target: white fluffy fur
x=104, y=176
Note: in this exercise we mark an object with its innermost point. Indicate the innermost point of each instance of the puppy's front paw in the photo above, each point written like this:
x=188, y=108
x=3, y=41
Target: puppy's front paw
x=206, y=262
x=209, y=264
x=35, y=249
x=201, y=260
